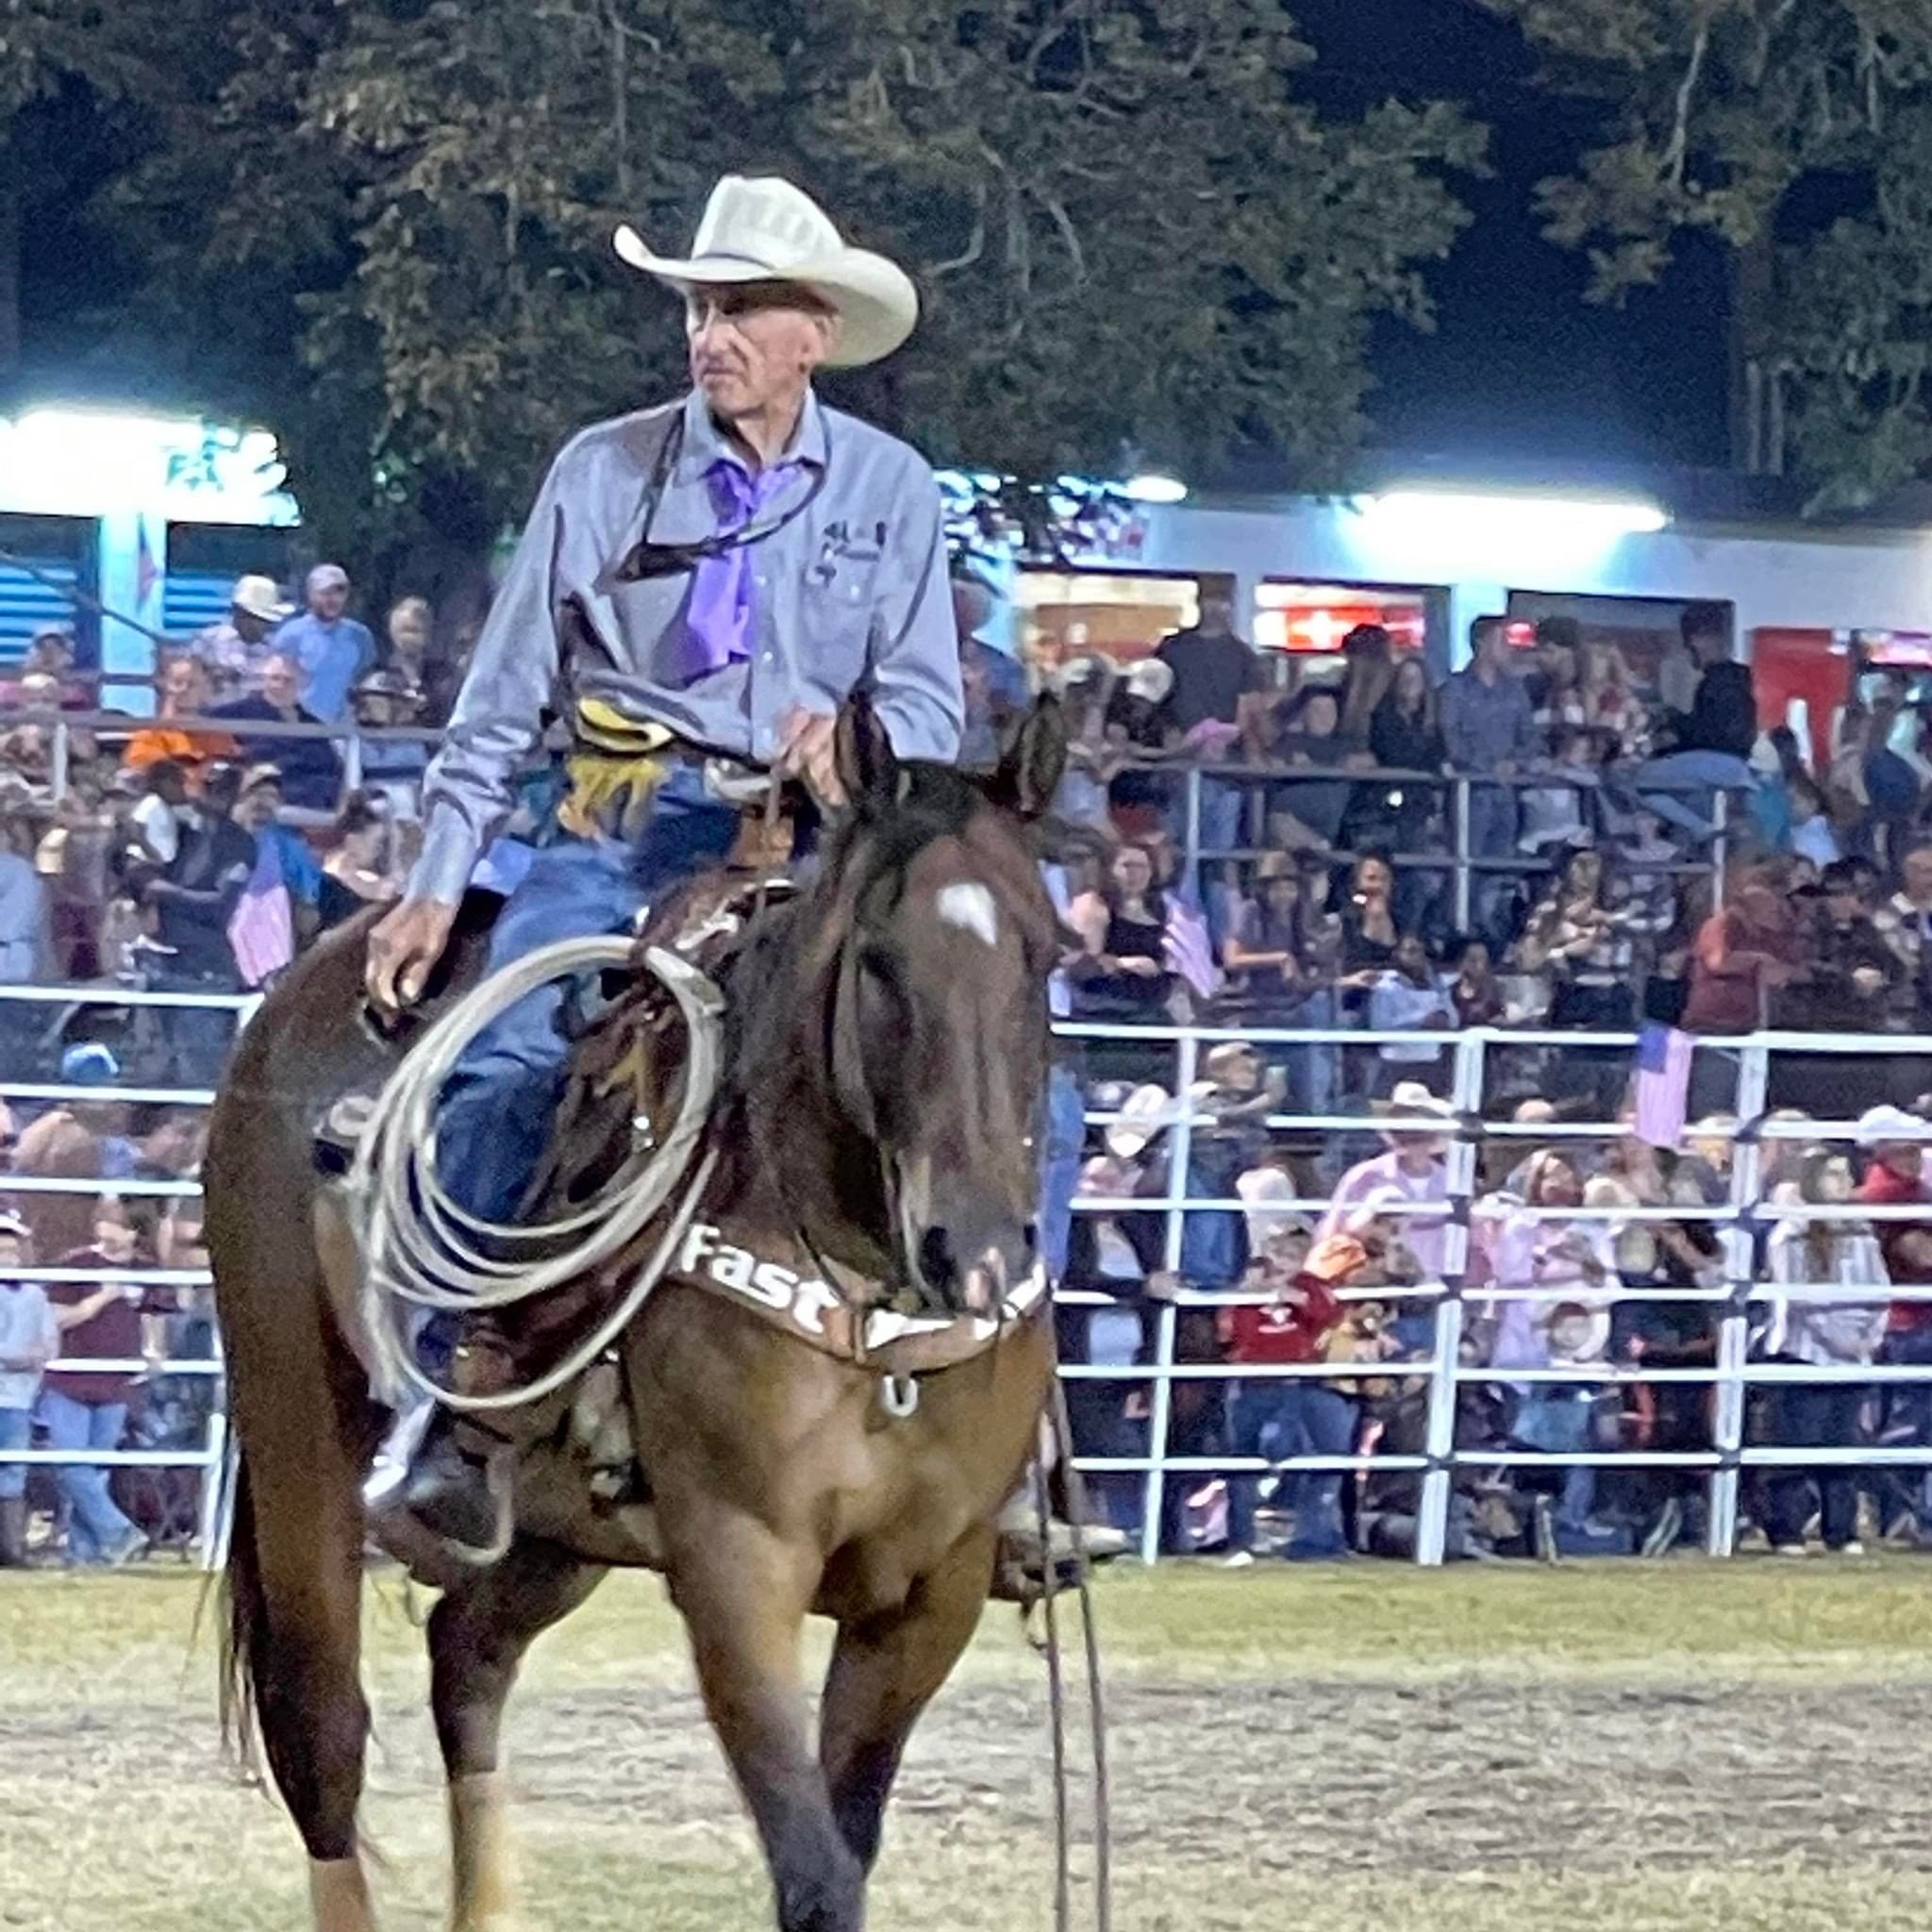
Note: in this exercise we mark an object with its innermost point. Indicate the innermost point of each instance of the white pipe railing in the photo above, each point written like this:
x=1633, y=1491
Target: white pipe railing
x=1738, y=1218
x=1730, y=1374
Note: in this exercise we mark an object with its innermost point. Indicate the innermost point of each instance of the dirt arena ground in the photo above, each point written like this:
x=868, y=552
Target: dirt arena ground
x=1639, y=1747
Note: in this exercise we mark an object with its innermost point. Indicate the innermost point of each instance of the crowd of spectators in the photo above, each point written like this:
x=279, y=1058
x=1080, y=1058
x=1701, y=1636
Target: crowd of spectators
x=1622, y=849
x=1611, y=877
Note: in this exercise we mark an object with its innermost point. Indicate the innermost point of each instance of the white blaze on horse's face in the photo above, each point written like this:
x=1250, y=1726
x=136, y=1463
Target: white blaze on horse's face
x=969, y=905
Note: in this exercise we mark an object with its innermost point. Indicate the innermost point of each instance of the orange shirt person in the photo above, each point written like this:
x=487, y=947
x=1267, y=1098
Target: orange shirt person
x=185, y=693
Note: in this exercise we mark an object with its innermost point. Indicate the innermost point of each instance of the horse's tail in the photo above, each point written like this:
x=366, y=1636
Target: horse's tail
x=245, y=1608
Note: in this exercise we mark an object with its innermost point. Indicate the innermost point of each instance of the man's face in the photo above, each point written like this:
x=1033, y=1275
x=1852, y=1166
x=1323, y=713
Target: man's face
x=1918, y=875
x=250, y=628
x=328, y=600
x=754, y=347
x=1490, y=647
x=12, y=1253
x=1709, y=646
x=186, y=689
x=257, y=806
x=279, y=682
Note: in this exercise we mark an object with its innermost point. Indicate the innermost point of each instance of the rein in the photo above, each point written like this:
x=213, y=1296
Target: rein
x=1049, y=1646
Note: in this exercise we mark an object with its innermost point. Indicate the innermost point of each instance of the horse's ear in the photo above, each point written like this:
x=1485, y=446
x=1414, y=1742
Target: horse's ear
x=867, y=765
x=1031, y=761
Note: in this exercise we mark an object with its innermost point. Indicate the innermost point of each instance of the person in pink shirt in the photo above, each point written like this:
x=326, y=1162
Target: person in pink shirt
x=1414, y=1169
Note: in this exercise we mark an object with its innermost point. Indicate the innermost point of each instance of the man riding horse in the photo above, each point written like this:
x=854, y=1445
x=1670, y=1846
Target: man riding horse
x=700, y=584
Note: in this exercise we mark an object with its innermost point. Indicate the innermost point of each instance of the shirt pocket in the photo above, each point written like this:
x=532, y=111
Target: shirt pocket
x=836, y=598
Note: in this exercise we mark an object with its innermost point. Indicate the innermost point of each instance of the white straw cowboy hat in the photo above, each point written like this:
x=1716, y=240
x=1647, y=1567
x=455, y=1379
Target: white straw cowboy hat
x=1145, y=1113
x=257, y=597
x=759, y=228
x=1151, y=678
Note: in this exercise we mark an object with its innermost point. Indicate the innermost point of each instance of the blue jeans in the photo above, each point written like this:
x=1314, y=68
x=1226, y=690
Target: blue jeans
x=199, y=1039
x=94, y=1522
x=1278, y=1420
x=1060, y=1147
x=1555, y=1420
x=1494, y=822
x=497, y=1108
x=1822, y=1415
x=1314, y=1072
x=1691, y=810
x=16, y=1432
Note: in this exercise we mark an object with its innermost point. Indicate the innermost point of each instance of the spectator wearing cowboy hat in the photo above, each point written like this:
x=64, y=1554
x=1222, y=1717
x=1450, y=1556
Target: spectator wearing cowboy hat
x=1137, y=730
x=235, y=650
x=332, y=648
x=1893, y=1142
x=1413, y=1169
x=715, y=574
x=310, y=772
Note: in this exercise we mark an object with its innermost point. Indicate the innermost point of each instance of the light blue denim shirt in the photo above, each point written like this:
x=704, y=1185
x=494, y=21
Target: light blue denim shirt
x=849, y=589
x=333, y=656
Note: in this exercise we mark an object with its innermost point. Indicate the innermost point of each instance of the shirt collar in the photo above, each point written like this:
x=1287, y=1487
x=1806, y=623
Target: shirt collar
x=705, y=443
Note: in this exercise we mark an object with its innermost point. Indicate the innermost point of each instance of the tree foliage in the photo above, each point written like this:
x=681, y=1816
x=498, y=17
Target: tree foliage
x=1799, y=134
x=391, y=219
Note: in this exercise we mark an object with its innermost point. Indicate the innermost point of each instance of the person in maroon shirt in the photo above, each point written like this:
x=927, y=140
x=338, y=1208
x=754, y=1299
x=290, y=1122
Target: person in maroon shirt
x=1895, y=1143
x=86, y=1409
x=1280, y=1416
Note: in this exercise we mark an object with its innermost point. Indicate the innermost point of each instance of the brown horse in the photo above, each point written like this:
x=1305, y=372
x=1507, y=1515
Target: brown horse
x=886, y=1060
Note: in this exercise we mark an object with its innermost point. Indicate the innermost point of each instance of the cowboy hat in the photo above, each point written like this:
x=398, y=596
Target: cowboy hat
x=1147, y=1111
x=257, y=597
x=1150, y=679
x=1879, y=1126
x=760, y=228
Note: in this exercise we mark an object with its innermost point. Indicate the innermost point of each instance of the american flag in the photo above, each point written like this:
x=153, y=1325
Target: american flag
x=1663, y=1080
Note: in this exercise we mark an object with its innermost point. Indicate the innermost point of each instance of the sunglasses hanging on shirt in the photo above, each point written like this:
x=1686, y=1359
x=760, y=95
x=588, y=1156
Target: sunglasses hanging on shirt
x=646, y=560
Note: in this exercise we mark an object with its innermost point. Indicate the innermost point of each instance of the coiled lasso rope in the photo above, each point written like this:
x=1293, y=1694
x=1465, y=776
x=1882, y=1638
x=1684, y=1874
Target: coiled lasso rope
x=421, y=1249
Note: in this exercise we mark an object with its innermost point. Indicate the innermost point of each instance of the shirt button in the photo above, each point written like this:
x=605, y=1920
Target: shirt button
x=769, y=657
x=760, y=582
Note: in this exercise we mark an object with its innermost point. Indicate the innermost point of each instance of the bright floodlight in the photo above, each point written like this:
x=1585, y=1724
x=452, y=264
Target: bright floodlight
x=1151, y=487
x=1560, y=519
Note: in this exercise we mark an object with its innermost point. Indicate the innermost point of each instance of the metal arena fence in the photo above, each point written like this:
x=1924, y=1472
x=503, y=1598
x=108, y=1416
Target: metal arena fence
x=1741, y=1220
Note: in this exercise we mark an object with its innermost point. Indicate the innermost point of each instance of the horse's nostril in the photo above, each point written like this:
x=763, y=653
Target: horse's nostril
x=935, y=1258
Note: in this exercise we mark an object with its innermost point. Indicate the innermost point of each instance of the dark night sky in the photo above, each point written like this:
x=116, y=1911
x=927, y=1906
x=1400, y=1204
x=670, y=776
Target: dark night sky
x=1520, y=364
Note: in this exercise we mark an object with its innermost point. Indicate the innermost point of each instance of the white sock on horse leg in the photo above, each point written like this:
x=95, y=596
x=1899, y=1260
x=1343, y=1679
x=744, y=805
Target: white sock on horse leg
x=483, y=1853
x=339, y=1897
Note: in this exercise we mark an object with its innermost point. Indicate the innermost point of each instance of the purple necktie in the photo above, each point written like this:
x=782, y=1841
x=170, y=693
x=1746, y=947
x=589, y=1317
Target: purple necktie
x=718, y=620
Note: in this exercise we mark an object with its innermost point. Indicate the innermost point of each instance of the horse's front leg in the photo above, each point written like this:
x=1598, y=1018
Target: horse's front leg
x=885, y=1671
x=478, y=1635
x=744, y=1593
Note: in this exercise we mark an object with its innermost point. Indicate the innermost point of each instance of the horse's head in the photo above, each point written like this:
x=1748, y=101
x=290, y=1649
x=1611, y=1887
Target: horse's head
x=928, y=952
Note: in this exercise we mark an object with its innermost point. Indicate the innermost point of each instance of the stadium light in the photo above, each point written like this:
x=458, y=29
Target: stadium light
x=1150, y=486
x=1447, y=516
